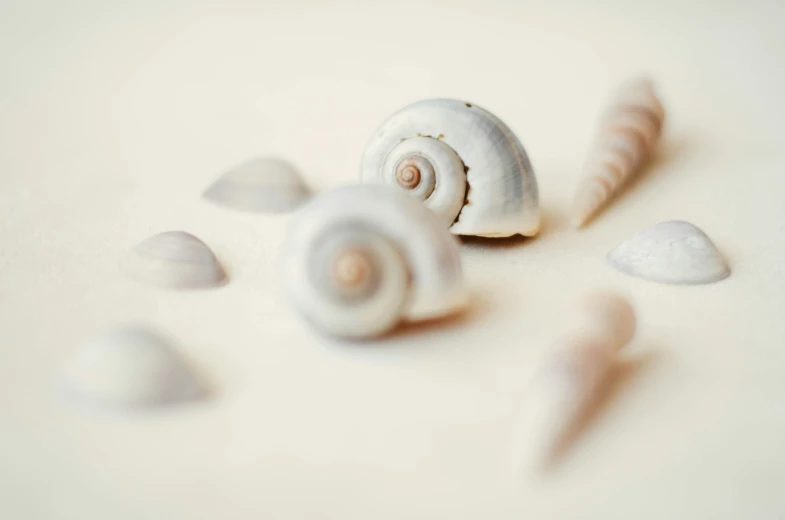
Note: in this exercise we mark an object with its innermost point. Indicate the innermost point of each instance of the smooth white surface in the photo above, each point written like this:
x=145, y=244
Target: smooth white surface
x=129, y=367
x=261, y=185
x=674, y=252
x=114, y=117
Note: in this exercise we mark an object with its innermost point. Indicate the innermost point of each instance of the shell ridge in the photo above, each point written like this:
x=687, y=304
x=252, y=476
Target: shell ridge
x=635, y=118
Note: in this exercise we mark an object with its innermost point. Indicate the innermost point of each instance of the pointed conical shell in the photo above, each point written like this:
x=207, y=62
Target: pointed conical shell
x=174, y=259
x=568, y=377
x=474, y=173
x=628, y=135
x=360, y=258
x=674, y=252
x=129, y=366
x=263, y=185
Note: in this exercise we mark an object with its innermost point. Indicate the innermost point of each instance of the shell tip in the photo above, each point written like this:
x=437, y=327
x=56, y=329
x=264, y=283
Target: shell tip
x=580, y=219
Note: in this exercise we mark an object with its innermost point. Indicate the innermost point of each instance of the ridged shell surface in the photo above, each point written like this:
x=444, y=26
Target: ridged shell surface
x=673, y=252
x=627, y=137
x=494, y=192
x=129, y=366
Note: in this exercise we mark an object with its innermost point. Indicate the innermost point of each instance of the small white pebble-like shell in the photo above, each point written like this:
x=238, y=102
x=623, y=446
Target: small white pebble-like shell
x=569, y=376
x=627, y=137
x=129, y=366
x=262, y=185
x=674, y=252
x=174, y=259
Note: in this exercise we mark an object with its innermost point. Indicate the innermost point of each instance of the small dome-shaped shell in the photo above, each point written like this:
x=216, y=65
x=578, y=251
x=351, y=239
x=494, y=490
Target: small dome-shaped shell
x=261, y=185
x=175, y=260
x=129, y=366
x=360, y=258
x=463, y=161
x=673, y=252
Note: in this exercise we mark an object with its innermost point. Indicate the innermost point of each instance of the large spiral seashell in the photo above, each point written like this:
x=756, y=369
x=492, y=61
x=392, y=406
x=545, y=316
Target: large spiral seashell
x=260, y=185
x=627, y=137
x=359, y=259
x=463, y=162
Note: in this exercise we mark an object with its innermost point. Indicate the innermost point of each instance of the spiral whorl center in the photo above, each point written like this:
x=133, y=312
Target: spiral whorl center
x=353, y=268
x=408, y=175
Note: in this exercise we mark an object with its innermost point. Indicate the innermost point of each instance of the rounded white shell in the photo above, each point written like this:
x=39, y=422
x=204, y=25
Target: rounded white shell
x=446, y=195
x=261, y=185
x=129, y=366
x=500, y=198
x=175, y=260
x=415, y=257
x=673, y=252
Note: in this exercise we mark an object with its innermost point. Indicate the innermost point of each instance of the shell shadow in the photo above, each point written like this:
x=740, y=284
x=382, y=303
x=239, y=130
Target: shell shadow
x=621, y=374
x=550, y=222
x=669, y=151
x=476, y=308
x=479, y=305
x=473, y=242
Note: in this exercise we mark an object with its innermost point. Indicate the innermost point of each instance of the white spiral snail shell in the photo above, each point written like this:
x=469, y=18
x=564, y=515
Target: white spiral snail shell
x=463, y=162
x=359, y=259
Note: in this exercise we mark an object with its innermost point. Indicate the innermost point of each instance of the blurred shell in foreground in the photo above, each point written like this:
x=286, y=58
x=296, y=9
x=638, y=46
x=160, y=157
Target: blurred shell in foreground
x=568, y=378
x=129, y=366
x=361, y=258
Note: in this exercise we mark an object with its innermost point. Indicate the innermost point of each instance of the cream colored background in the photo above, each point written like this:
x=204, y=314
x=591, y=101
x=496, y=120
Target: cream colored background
x=115, y=115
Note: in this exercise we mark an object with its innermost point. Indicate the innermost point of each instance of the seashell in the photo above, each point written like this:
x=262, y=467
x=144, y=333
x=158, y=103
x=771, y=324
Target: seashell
x=627, y=137
x=262, y=185
x=129, y=366
x=174, y=259
x=463, y=161
x=674, y=252
x=567, y=379
x=359, y=259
